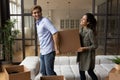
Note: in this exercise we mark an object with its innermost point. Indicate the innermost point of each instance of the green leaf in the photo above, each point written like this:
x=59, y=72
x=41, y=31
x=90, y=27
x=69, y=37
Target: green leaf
x=116, y=60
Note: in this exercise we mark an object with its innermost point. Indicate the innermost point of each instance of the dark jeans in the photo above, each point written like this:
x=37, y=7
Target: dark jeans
x=47, y=64
x=90, y=72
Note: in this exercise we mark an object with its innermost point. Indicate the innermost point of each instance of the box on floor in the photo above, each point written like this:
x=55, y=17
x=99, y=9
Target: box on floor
x=52, y=78
x=114, y=74
x=17, y=72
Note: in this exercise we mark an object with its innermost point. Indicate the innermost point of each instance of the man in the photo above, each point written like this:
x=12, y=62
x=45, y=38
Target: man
x=48, y=38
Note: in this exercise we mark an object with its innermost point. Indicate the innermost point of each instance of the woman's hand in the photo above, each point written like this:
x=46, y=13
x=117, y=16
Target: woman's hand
x=81, y=49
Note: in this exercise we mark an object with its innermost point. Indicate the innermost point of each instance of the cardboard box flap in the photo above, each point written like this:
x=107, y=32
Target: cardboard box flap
x=15, y=69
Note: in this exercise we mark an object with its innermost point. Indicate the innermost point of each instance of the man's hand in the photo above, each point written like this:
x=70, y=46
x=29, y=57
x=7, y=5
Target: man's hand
x=57, y=52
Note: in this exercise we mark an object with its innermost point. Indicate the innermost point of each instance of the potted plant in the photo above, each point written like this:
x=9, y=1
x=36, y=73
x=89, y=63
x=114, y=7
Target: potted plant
x=9, y=35
x=116, y=60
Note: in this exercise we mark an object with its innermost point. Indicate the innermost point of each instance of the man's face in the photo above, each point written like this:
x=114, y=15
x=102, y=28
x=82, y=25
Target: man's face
x=36, y=14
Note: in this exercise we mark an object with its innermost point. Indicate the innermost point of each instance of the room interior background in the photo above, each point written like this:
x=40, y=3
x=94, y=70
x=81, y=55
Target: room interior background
x=65, y=15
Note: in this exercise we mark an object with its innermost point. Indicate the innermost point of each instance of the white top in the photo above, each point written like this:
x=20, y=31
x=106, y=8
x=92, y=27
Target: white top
x=45, y=30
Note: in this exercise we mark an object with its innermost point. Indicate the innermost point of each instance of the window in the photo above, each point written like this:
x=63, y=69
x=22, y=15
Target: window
x=15, y=9
x=69, y=23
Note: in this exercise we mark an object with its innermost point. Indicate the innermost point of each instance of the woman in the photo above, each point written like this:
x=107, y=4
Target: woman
x=86, y=53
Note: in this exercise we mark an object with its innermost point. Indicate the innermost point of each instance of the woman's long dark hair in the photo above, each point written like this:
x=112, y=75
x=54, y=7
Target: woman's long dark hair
x=92, y=22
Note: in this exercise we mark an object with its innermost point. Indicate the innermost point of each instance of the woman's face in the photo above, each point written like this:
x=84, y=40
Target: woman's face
x=83, y=21
x=36, y=14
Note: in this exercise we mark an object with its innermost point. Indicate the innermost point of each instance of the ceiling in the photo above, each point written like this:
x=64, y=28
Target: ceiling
x=62, y=4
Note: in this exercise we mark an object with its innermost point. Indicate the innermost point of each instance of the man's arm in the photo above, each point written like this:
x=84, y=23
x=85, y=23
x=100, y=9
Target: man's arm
x=56, y=42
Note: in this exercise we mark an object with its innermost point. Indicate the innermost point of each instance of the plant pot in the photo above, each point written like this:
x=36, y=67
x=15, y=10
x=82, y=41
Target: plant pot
x=117, y=66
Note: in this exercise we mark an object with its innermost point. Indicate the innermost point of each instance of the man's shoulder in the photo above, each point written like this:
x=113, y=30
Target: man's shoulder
x=45, y=19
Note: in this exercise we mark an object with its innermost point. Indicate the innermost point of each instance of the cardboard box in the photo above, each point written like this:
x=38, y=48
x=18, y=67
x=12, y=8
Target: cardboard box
x=52, y=77
x=17, y=72
x=114, y=74
x=69, y=40
x=107, y=78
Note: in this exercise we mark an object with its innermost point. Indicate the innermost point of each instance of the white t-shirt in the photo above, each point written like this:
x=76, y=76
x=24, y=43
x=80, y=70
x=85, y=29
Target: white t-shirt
x=45, y=30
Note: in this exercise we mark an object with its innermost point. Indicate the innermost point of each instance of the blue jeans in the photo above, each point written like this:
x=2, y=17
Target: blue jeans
x=47, y=64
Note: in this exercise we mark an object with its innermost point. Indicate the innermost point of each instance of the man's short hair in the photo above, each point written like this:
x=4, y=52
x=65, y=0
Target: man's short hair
x=36, y=7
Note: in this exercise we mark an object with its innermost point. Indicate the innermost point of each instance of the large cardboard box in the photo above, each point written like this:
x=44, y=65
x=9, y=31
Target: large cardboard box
x=60, y=77
x=69, y=40
x=17, y=72
x=114, y=74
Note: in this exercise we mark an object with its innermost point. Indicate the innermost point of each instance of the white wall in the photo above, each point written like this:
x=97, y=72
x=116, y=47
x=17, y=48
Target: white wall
x=57, y=15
